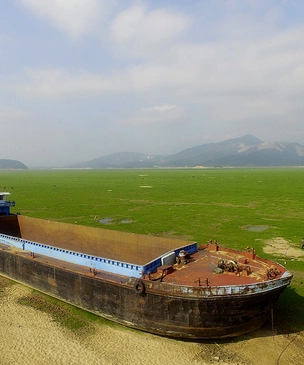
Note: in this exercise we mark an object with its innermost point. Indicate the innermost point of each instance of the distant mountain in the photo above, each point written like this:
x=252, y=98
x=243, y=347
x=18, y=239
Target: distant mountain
x=11, y=165
x=121, y=160
x=212, y=154
x=238, y=152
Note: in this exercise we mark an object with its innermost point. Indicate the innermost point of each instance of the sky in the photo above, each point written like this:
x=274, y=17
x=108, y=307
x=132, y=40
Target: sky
x=81, y=79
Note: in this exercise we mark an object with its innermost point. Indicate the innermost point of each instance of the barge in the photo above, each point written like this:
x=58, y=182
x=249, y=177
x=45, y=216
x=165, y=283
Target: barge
x=164, y=286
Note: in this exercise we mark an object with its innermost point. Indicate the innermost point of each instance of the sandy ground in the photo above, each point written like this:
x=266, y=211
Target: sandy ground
x=29, y=336
x=278, y=246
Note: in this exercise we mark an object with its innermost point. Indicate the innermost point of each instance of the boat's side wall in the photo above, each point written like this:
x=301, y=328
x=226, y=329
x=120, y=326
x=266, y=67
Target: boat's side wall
x=121, y=246
x=150, y=311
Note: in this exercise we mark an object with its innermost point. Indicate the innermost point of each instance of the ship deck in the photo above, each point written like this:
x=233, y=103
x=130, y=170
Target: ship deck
x=201, y=269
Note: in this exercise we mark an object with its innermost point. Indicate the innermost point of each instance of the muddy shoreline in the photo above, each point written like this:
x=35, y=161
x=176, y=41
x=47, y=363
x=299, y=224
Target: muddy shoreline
x=30, y=336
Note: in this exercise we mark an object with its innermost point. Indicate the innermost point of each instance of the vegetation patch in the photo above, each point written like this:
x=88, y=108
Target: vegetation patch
x=78, y=321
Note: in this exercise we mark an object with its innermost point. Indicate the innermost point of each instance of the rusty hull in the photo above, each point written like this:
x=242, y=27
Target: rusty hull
x=190, y=299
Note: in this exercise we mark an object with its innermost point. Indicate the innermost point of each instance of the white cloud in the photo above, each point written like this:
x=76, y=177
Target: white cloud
x=160, y=108
x=192, y=72
x=55, y=83
x=138, y=31
x=160, y=114
x=232, y=81
x=75, y=17
x=9, y=115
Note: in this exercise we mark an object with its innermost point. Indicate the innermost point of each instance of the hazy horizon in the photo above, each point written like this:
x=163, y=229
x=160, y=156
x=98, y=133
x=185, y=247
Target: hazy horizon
x=84, y=79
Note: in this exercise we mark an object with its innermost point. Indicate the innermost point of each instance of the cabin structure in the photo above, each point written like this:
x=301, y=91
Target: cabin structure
x=5, y=204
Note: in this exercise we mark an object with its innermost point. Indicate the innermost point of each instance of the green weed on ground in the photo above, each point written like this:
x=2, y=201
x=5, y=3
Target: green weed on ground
x=78, y=321
x=196, y=204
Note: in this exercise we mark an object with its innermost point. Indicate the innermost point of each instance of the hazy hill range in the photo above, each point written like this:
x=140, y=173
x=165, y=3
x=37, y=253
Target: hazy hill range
x=244, y=151
x=11, y=165
x=121, y=160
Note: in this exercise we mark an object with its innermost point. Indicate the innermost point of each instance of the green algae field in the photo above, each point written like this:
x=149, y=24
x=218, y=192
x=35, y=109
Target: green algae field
x=260, y=208
x=221, y=204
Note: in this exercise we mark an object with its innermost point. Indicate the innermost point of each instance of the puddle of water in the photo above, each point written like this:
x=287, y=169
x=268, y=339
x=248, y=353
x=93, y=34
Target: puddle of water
x=110, y=220
x=105, y=220
x=256, y=228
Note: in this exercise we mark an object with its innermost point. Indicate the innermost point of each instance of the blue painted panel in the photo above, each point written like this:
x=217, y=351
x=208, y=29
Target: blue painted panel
x=93, y=262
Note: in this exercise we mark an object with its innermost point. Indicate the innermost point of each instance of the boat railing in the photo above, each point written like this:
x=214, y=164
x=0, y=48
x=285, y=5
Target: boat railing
x=211, y=291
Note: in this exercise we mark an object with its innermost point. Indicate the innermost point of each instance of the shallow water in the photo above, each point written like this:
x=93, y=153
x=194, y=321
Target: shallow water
x=105, y=220
x=257, y=228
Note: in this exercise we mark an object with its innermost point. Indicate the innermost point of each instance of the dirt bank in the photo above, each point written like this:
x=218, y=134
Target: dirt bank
x=29, y=336
x=278, y=246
